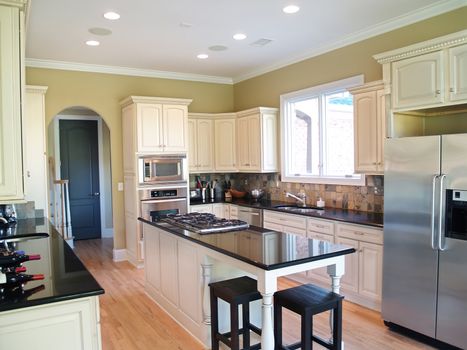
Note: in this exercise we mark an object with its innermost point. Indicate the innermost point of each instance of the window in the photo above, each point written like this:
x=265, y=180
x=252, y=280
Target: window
x=317, y=134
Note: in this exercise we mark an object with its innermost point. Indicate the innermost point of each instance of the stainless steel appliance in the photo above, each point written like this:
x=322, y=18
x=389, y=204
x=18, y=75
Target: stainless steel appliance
x=425, y=236
x=159, y=169
x=157, y=203
x=204, y=223
x=252, y=216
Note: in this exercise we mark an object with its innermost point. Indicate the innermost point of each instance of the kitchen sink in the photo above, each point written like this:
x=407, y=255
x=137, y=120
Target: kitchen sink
x=298, y=209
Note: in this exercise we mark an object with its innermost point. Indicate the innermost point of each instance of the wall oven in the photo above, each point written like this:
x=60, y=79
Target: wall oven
x=156, y=203
x=161, y=169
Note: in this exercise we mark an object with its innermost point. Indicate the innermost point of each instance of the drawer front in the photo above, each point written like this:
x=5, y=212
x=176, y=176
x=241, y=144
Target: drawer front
x=290, y=220
x=360, y=233
x=321, y=226
x=320, y=236
x=233, y=211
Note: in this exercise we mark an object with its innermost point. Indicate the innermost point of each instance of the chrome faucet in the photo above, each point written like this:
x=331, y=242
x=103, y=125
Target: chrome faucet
x=300, y=197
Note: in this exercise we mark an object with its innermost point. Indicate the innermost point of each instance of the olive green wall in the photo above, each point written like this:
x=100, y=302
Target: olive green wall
x=348, y=61
x=102, y=93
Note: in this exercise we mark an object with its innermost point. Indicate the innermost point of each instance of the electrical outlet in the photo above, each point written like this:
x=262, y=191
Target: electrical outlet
x=120, y=187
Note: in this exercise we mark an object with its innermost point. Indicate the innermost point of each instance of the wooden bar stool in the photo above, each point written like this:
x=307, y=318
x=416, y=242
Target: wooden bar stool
x=308, y=300
x=237, y=291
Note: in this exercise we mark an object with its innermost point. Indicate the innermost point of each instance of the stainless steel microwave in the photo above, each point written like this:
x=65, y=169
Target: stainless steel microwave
x=160, y=169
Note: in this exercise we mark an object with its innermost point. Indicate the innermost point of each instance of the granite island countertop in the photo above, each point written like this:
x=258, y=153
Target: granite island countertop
x=66, y=277
x=261, y=247
x=344, y=215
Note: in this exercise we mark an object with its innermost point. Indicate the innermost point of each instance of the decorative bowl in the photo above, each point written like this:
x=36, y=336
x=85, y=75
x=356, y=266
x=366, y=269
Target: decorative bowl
x=237, y=194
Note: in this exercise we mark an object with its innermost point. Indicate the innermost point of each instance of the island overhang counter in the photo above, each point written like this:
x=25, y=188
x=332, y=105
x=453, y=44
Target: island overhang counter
x=180, y=264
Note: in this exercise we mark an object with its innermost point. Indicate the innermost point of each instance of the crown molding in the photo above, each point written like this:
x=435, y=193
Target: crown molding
x=149, y=99
x=21, y=4
x=427, y=46
x=36, y=88
x=148, y=73
x=381, y=28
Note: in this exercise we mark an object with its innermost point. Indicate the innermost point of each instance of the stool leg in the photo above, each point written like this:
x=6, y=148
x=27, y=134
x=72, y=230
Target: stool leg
x=277, y=326
x=307, y=331
x=337, y=329
x=214, y=322
x=234, y=338
x=246, y=325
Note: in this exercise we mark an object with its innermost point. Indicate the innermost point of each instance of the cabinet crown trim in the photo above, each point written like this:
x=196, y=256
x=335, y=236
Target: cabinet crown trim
x=148, y=99
x=257, y=110
x=435, y=44
x=371, y=86
x=36, y=89
x=21, y=4
x=211, y=115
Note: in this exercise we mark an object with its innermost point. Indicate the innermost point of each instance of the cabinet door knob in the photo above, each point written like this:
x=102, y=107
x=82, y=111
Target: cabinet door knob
x=438, y=92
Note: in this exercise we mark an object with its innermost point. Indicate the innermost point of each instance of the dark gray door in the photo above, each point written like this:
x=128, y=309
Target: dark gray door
x=80, y=165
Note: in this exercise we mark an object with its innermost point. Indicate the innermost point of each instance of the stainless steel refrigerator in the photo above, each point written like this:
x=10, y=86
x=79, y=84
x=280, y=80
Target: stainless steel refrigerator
x=425, y=236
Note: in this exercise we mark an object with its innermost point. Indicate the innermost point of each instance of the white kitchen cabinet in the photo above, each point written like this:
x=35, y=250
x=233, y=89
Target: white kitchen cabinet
x=322, y=230
x=369, y=127
x=418, y=81
x=257, y=140
x=458, y=73
x=201, y=208
x=169, y=268
x=35, y=157
x=233, y=211
x=225, y=143
x=428, y=74
x=189, y=299
x=200, y=144
x=11, y=161
x=152, y=267
x=218, y=209
x=284, y=222
x=160, y=125
x=73, y=325
x=363, y=269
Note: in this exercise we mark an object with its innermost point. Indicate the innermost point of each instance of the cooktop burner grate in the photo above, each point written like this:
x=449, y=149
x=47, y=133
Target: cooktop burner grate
x=205, y=223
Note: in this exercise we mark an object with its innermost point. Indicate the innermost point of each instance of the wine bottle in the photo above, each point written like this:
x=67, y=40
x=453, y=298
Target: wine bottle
x=14, y=278
x=16, y=259
x=17, y=294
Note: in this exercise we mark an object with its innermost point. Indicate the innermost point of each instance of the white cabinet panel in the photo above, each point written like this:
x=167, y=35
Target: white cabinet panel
x=152, y=268
x=149, y=128
x=189, y=270
x=418, y=81
x=458, y=73
x=11, y=166
x=201, y=145
x=350, y=279
x=169, y=268
x=174, y=128
x=225, y=144
x=370, y=270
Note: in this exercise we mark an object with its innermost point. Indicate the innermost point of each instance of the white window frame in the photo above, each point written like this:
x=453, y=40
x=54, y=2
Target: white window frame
x=294, y=96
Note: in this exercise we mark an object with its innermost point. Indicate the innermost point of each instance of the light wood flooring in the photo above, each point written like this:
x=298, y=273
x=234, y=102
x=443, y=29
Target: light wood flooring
x=130, y=320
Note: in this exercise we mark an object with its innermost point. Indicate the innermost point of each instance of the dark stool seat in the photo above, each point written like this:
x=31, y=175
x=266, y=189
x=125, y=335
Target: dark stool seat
x=308, y=300
x=236, y=291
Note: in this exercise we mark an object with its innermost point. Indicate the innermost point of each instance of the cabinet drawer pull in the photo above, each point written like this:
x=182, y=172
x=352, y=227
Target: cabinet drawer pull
x=451, y=90
x=438, y=92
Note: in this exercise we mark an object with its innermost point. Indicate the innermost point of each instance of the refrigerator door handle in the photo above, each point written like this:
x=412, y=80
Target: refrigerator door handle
x=442, y=209
x=433, y=208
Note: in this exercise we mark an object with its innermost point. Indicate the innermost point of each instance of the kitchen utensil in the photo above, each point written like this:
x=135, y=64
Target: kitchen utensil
x=237, y=194
x=256, y=193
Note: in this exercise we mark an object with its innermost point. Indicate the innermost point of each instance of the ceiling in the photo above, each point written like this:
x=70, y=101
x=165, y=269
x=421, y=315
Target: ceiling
x=163, y=38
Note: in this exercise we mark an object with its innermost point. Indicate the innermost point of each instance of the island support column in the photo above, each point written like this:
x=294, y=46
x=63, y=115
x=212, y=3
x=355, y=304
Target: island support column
x=267, y=286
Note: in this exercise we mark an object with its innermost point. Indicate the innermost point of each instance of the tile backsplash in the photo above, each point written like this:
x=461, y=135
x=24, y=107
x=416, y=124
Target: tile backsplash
x=364, y=198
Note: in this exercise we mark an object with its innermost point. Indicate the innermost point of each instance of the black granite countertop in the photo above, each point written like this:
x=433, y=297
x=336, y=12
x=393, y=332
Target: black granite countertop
x=65, y=275
x=264, y=248
x=350, y=216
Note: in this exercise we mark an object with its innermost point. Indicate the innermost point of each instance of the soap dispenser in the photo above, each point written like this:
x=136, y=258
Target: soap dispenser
x=320, y=203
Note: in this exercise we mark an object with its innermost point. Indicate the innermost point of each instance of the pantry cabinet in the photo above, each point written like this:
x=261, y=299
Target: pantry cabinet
x=11, y=160
x=429, y=74
x=257, y=140
x=369, y=127
x=200, y=144
x=159, y=125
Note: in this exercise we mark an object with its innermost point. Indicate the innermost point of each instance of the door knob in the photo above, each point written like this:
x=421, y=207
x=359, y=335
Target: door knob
x=96, y=194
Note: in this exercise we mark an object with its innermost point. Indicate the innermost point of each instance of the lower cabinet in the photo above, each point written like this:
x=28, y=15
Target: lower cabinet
x=321, y=230
x=70, y=325
x=221, y=210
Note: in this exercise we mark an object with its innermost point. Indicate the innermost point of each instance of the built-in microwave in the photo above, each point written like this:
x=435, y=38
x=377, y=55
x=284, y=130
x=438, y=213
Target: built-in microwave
x=161, y=169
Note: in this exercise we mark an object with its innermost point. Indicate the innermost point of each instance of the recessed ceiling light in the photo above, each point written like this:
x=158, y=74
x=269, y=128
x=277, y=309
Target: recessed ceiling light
x=202, y=56
x=100, y=31
x=291, y=9
x=239, y=36
x=111, y=15
x=92, y=43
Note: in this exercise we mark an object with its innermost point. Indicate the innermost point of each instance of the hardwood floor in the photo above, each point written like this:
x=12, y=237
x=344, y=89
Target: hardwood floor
x=130, y=320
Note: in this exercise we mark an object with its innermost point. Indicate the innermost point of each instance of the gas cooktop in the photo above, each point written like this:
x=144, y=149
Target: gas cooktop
x=204, y=223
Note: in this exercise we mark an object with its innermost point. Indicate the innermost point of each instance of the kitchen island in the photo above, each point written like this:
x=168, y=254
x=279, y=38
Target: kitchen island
x=180, y=264
x=60, y=311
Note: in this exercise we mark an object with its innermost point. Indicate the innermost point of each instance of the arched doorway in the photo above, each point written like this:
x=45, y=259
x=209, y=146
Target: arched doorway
x=79, y=151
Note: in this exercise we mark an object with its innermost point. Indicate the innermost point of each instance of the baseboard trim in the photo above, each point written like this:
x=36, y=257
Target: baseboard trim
x=119, y=255
x=107, y=232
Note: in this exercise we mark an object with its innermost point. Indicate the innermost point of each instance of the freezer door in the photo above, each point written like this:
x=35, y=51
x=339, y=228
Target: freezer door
x=410, y=264
x=452, y=289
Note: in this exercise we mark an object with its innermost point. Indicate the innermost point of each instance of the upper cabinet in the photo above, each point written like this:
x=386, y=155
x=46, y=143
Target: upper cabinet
x=369, y=127
x=257, y=140
x=224, y=142
x=200, y=143
x=11, y=161
x=428, y=74
x=155, y=125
